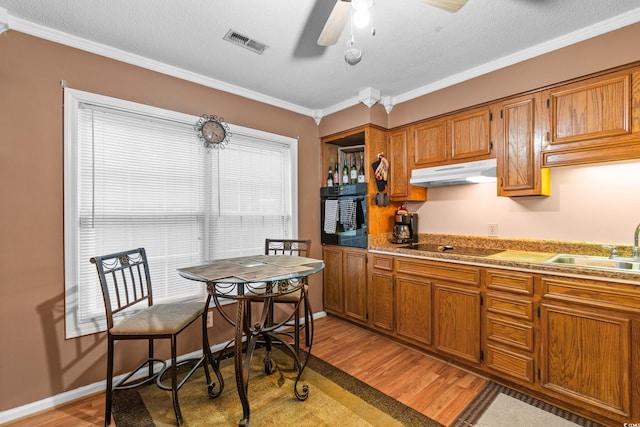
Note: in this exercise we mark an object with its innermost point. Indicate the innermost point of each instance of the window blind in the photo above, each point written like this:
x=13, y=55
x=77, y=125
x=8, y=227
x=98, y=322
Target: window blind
x=141, y=178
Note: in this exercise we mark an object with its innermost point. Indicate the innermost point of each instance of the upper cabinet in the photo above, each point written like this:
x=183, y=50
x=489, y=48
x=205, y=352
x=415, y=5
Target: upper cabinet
x=401, y=154
x=430, y=143
x=519, y=133
x=594, y=120
x=455, y=138
x=470, y=137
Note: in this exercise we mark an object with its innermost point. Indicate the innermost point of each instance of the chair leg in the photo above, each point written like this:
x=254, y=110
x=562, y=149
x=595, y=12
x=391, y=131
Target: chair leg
x=109, y=391
x=296, y=329
x=174, y=381
x=151, y=368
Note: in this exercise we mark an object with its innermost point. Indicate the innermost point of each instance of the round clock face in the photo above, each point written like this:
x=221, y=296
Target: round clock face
x=213, y=132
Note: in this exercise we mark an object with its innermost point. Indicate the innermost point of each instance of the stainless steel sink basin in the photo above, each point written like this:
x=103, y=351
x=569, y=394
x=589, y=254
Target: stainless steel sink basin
x=597, y=262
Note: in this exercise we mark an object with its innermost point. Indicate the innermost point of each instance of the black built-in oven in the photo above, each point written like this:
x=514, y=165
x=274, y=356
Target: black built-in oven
x=343, y=215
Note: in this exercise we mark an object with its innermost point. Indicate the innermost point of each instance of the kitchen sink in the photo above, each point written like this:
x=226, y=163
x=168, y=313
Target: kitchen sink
x=597, y=262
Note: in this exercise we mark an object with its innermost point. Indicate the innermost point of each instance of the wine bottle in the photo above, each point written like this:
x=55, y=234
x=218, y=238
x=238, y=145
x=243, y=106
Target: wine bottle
x=336, y=175
x=330, y=178
x=345, y=173
x=354, y=171
x=361, y=170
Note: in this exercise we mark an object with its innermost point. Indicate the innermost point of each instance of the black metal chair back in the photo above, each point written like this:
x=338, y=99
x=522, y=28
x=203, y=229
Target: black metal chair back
x=287, y=247
x=125, y=281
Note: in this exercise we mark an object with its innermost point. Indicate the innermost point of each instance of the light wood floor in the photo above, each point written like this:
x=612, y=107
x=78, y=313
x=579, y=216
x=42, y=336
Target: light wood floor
x=437, y=389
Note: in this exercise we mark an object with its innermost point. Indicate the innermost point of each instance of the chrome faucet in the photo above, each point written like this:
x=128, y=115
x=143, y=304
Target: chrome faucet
x=635, y=242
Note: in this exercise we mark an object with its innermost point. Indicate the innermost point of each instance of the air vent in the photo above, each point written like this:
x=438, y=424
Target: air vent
x=244, y=41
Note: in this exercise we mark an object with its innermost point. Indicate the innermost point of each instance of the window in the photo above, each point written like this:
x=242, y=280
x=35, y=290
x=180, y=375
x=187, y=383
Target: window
x=138, y=176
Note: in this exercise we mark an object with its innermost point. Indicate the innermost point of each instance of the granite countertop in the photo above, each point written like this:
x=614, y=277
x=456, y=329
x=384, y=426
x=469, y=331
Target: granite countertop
x=521, y=254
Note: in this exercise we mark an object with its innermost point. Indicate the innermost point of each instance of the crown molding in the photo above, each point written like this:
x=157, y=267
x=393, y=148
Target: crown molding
x=586, y=33
x=66, y=39
x=46, y=33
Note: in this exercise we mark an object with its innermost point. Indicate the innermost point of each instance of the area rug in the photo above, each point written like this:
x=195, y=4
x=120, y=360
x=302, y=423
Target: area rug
x=500, y=406
x=335, y=399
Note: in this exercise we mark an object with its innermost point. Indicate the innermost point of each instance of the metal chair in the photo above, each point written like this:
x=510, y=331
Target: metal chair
x=132, y=315
x=297, y=298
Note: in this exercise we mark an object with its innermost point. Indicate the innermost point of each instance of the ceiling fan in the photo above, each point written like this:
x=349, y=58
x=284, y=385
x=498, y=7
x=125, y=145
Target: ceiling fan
x=333, y=27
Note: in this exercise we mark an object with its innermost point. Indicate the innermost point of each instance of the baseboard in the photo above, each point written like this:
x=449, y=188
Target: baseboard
x=84, y=391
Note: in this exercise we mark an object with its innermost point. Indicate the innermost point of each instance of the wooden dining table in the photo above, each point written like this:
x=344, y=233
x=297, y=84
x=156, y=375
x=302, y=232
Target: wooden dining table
x=247, y=281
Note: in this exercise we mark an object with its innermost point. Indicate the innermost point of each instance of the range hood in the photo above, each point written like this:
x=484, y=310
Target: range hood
x=456, y=174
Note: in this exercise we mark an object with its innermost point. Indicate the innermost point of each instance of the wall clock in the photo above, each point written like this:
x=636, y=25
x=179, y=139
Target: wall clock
x=212, y=131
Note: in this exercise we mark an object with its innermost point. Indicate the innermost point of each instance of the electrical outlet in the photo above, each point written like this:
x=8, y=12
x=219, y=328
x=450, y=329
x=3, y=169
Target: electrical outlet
x=209, y=319
x=492, y=230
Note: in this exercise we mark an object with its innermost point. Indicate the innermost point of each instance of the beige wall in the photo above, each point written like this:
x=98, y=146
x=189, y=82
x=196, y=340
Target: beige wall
x=595, y=203
x=35, y=360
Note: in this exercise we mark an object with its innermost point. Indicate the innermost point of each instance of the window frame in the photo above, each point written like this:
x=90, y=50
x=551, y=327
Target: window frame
x=73, y=98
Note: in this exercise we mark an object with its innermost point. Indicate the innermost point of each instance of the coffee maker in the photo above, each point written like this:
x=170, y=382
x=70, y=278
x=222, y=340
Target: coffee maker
x=405, y=229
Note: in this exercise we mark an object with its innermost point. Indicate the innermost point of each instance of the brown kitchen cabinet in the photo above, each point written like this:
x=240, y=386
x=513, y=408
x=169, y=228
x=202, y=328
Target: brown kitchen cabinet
x=460, y=137
x=456, y=313
x=519, y=134
x=509, y=329
x=588, y=345
x=447, y=293
x=594, y=120
x=431, y=147
x=345, y=282
x=414, y=310
x=381, y=293
x=400, y=167
x=471, y=135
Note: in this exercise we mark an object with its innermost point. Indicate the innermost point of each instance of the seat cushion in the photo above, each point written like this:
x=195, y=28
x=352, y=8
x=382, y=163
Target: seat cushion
x=291, y=297
x=159, y=319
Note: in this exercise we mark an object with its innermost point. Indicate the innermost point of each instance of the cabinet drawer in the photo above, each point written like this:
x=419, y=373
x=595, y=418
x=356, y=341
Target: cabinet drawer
x=510, y=281
x=382, y=262
x=511, y=333
x=511, y=363
x=607, y=295
x=449, y=272
x=520, y=308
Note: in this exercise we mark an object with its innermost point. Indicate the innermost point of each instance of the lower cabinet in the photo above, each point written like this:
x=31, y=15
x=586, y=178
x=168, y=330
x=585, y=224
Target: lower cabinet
x=587, y=347
x=381, y=293
x=509, y=343
x=456, y=312
x=345, y=282
x=413, y=310
x=572, y=340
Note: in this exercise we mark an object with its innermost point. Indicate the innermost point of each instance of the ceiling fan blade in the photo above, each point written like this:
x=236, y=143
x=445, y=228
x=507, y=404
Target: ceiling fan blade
x=448, y=5
x=333, y=28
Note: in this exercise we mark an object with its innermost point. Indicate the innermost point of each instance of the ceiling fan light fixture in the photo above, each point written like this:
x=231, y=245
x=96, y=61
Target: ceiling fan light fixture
x=361, y=17
x=353, y=54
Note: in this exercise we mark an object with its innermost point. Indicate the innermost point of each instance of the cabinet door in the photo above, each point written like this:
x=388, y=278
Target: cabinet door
x=381, y=297
x=430, y=143
x=457, y=320
x=593, y=109
x=413, y=310
x=519, y=146
x=471, y=135
x=398, y=181
x=354, y=273
x=594, y=120
x=401, y=154
x=333, y=290
x=586, y=356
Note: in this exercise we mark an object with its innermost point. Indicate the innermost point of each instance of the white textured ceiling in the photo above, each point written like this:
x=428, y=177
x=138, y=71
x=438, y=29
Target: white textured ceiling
x=416, y=49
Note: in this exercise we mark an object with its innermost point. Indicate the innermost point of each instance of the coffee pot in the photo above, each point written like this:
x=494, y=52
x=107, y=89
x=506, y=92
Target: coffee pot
x=405, y=229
